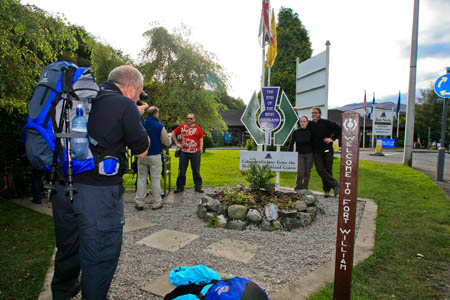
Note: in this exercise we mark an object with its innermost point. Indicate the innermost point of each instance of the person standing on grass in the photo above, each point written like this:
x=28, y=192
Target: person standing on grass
x=152, y=162
x=323, y=133
x=302, y=138
x=191, y=150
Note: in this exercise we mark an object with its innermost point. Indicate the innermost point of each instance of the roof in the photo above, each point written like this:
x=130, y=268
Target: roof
x=232, y=117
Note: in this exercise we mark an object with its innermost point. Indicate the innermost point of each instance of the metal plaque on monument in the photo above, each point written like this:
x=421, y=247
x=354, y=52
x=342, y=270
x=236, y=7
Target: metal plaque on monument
x=345, y=238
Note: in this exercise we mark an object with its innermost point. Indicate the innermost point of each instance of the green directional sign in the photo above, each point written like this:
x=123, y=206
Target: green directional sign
x=290, y=119
x=249, y=120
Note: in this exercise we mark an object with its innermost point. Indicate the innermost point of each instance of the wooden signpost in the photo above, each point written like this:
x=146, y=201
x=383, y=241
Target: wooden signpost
x=345, y=239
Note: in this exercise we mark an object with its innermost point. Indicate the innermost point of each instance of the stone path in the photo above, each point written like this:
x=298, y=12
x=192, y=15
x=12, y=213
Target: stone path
x=233, y=249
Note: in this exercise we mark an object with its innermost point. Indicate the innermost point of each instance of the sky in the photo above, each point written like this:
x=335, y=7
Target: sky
x=370, y=40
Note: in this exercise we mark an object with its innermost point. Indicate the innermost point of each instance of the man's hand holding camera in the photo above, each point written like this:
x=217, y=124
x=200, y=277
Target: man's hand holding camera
x=142, y=107
x=141, y=103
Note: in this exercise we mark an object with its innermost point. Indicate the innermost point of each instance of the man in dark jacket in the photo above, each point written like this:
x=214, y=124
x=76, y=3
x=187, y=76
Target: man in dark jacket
x=323, y=134
x=89, y=229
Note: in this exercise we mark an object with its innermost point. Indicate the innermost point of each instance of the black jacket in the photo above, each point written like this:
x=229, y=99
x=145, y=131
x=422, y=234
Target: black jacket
x=323, y=129
x=303, y=141
x=114, y=122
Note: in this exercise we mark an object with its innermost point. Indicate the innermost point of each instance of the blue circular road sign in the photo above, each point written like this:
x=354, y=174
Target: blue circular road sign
x=442, y=86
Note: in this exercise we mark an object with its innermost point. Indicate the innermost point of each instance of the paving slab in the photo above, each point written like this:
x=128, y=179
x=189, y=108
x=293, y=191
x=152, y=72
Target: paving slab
x=234, y=249
x=44, y=208
x=135, y=223
x=160, y=286
x=173, y=198
x=169, y=240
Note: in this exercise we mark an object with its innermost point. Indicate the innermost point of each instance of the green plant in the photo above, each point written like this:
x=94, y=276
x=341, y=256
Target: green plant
x=13, y=116
x=250, y=145
x=229, y=196
x=259, y=177
x=213, y=221
x=282, y=202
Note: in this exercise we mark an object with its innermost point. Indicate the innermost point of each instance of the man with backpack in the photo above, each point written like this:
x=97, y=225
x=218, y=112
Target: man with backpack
x=152, y=162
x=89, y=228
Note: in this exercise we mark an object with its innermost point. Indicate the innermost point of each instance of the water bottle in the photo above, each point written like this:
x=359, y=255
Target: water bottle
x=79, y=146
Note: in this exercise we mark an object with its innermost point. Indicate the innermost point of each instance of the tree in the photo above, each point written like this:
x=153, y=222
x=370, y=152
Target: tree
x=104, y=58
x=293, y=43
x=30, y=39
x=230, y=103
x=178, y=79
x=82, y=54
x=429, y=115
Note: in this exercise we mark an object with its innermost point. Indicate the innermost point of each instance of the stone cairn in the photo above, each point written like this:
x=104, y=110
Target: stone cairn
x=238, y=217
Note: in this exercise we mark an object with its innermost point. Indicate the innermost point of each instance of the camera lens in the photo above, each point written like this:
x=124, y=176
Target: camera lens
x=143, y=96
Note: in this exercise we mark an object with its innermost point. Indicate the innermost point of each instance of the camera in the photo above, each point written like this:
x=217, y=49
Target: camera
x=142, y=97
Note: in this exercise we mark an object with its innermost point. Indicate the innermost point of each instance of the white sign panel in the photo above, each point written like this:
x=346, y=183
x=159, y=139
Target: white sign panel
x=277, y=161
x=312, y=84
x=382, y=122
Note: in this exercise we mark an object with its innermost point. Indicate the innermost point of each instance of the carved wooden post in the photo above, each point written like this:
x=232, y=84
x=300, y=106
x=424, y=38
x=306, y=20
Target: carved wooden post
x=347, y=206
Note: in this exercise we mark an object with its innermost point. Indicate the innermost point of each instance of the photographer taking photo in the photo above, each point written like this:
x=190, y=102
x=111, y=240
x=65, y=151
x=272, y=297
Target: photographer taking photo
x=89, y=229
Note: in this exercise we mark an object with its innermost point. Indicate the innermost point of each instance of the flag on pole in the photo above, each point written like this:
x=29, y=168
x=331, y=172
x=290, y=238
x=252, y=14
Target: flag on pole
x=371, y=110
x=397, y=111
x=365, y=103
x=265, y=32
x=272, y=51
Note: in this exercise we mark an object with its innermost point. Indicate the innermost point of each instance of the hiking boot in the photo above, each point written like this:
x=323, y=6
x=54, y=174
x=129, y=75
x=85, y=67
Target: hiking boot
x=178, y=190
x=156, y=206
x=336, y=190
x=199, y=190
x=326, y=194
x=137, y=207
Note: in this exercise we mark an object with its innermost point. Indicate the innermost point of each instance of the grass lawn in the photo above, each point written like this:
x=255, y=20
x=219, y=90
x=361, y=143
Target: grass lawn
x=27, y=243
x=413, y=217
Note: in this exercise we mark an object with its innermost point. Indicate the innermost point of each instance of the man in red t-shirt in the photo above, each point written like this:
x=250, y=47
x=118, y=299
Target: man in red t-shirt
x=191, y=150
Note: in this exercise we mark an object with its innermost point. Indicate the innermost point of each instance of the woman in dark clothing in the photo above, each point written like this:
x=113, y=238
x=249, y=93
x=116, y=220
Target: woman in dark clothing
x=302, y=138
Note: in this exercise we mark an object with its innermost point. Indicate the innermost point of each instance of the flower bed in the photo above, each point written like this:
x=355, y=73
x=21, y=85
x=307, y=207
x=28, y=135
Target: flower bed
x=237, y=208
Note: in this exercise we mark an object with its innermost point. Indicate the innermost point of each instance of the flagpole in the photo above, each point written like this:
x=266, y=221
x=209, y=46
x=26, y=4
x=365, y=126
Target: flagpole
x=397, y=112
x=268, y=77
x=364, y=130
x=392, y=123
x=364, y=120
x=373, y=126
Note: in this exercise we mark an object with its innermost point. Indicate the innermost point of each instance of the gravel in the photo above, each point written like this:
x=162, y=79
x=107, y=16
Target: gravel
x=283, y=258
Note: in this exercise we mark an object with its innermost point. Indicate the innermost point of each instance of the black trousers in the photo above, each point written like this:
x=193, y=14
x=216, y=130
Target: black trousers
x=195, y=159
x=305, y=163
x=324, y=166
x=89, y=239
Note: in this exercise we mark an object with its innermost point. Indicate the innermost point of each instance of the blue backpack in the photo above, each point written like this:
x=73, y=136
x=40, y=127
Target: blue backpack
x=60, y=83
x=203, y=283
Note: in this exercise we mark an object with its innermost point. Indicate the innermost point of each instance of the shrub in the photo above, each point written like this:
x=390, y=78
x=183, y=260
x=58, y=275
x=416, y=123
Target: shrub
x=213, y=221
x=259, y=177
x=13, y=114
x=208, y=142
x=250, y=145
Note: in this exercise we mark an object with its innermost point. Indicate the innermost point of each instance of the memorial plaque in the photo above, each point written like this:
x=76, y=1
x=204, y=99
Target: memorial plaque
x=345, y=238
